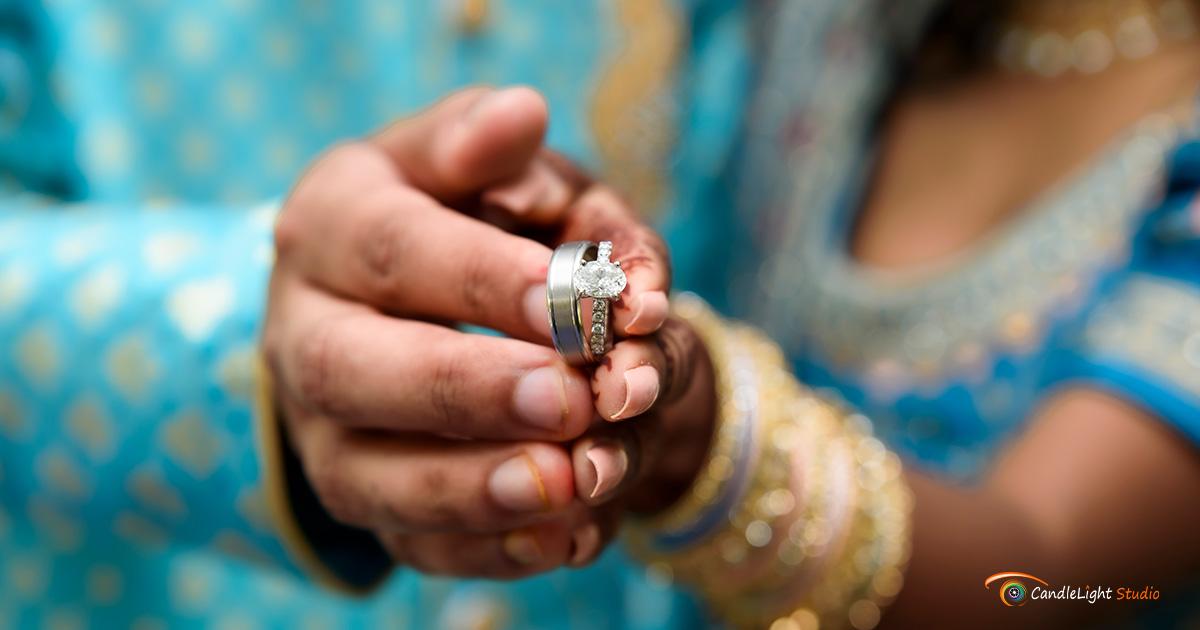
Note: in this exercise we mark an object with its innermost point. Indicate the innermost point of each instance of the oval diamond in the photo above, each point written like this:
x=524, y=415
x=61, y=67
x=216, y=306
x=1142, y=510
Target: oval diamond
x=598, y=279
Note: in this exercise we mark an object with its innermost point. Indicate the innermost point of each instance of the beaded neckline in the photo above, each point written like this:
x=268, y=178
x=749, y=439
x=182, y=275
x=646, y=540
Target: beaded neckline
x=999, y=295
x=951, y=325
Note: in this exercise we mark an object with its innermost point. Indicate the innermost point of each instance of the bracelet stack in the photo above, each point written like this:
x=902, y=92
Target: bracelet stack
x=799, y=518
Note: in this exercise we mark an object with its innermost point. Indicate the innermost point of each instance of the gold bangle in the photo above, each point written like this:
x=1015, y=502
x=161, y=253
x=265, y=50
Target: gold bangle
x=826, y=550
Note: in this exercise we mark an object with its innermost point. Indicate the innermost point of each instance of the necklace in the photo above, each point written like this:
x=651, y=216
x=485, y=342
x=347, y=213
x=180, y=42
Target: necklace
x=1052, y=38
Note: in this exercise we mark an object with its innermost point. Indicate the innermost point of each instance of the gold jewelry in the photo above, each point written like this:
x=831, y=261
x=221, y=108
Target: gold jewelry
x=474, y=13
x=1052, y=37
x=806, y=514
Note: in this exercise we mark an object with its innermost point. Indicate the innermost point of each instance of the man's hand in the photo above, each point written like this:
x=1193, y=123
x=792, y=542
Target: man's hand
x=454, y=448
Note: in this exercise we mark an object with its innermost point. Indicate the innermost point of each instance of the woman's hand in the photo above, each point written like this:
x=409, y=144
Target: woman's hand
x=375, y=252
x=656, y=386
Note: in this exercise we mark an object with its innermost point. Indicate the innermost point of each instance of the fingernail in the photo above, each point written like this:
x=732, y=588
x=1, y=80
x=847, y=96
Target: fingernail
x=649, y=313
x=522, y=546
x=555, y=192
x=541, y=398
x=641, y=390
x=585, y=541
x=517, y=485
x=535, y=310
x=610, y=463
x=518, y=198
x=483, y=103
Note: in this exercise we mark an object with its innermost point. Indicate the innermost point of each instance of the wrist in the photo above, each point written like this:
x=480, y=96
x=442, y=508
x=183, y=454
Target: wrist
x=687, y=426
x=798, y=515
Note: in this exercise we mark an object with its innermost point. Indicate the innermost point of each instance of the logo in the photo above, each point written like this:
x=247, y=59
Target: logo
x=1016, y=589
x=1013, y=591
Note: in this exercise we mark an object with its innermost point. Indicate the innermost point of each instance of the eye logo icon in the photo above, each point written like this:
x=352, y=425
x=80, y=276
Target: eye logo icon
x=1012, y=591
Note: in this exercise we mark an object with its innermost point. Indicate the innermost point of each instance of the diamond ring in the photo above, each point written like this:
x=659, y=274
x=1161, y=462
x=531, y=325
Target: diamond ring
x=582, y=270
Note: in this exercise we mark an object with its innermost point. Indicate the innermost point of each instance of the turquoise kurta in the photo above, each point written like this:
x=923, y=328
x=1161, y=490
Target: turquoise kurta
x=142, y=144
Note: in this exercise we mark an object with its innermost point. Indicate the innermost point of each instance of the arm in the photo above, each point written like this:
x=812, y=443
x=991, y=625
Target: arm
x=127, y=375
x=1098, y=492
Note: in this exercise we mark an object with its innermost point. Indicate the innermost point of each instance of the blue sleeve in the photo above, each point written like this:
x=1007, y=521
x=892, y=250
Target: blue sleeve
x=1142, y=339
x=129, y=375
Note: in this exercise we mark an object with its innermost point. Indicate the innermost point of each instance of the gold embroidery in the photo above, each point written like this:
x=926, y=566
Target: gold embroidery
x=474, y=12
x=251, y=506
x=632, y=114
x=88, y=424
x=105, y=584
x=191, y=443
x=149, y=488
x=38, y=356
x=29, y=577
x=59, y=472
x=16, y=284
x=130, y=368
x=236, y=372
x=191, y=586
x=12, y=419
x=65, y=534
x=64, y=619
x=137, y=530
x=234, y=544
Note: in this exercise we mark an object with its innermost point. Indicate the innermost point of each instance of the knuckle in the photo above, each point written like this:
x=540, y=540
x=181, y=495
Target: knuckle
x=385, y=241
x=397, y=512
x=344, y=152
x=478, y=276
x=292, y=224
x=437, y=511
x=315, y=369
x=446, y=391
x=336, y=491
x=290, y=228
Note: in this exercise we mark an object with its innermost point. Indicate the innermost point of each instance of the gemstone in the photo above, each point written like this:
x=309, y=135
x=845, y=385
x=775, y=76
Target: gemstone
x=598, y=279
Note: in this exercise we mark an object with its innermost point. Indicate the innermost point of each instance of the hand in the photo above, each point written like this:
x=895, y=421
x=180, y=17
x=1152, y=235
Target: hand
x=659, y=375
x=374, y=249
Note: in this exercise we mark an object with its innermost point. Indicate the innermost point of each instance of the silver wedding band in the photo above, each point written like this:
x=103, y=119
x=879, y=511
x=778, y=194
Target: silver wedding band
x=580, y=340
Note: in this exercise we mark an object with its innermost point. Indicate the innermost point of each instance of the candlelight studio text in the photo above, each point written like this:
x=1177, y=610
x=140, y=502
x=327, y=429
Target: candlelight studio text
x=1092, y=595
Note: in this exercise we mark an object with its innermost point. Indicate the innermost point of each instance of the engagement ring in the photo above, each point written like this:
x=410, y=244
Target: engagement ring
x=582, y=270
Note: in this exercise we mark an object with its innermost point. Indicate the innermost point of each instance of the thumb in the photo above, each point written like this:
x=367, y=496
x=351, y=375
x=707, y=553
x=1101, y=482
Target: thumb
x=473, y=139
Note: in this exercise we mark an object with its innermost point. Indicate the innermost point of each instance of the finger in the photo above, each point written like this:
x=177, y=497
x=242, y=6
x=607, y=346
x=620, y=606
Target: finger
x=613, y=464
x=642, y=372
x=605, y=461
x=593, y=530
x=601, y=215
x=520, y=553
x=543, y=193
x=402, y=252
x=471, y=140
x=346, y=362
x=421, y=484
